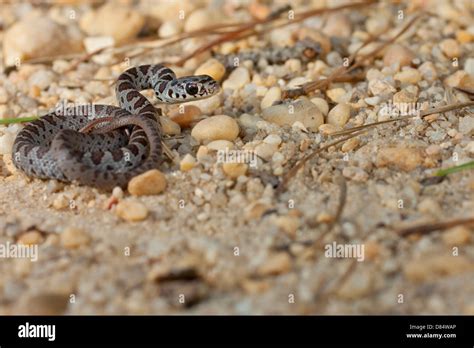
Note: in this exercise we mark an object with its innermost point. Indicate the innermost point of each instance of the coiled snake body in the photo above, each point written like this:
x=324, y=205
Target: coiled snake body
x=56, y=146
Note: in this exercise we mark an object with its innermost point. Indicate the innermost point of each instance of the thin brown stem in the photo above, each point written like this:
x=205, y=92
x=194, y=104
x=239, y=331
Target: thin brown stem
x=320, y=84
x=302, y=162
x=428, y=228
x=422, y=114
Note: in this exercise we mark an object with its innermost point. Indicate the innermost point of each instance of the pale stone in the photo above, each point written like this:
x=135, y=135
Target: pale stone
x=234, y=170
x=201, y=18
x=211, y=67
x=220, y=127
x=31, y=238
x=339, y=115
x=265, y=151
x=220, y=145
x=207, y=105
x=272, y=139
x=301, y=110
x=131, y=210
x=237, y=79
x=322, y=105
x=338, y=24
x=409, y=75
x=187, y=163
x=185, y=115
x=350, y=144
x=403, y=158
x=170, y=28
x=109, y=20
x=151, y=182
x=328, y=129
x=459, y=235
x=436, y=266
x=272, y=95
x=275, y=264
x=337, y=95
x=34, y=37
x=169, y=127
x=398, y=54
x=73, y=238
x=450, y=48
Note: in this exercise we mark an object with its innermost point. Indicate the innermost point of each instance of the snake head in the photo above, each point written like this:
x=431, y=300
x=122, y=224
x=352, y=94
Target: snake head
x=191, y=88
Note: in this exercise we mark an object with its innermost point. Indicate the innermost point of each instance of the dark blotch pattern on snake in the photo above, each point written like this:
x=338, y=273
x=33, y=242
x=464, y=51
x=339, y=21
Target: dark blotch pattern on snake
x=125, y=141
x=306, y=50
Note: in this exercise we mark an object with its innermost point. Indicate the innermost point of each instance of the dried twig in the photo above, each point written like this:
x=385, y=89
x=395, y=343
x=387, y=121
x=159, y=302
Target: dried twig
x=314, y=85
x=422, y=114
x=303, y=161
x=355, y=131
x=341, y=182
x=428, y=228
x=248, y=29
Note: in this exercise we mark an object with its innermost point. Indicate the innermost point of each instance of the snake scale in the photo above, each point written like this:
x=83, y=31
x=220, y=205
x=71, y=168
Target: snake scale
x=306, y=50
x=125, y=141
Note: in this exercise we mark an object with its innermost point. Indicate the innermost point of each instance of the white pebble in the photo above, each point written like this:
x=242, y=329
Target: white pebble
x=271, y=96
x=450, y=48
x=94, y=43
x=35, y=37
x=265, y=151
x=234, y=170
x=131, y=210
x=237, y=79
x=301, y=110
x=117, y=192
x=187, y=163
x=120, y=22
x=208, y=105
x=200, y=19
x=339, y=115
x=6, y=143
x=272, y=139
x=3, y=96
x=469, y=66
x=220, y=127
x=428, y=71
x=408, y=75
x=170, y=28
x=373, y=100
x=213, y=68
x=42, y=79
x=220, y=145
x=322, y=105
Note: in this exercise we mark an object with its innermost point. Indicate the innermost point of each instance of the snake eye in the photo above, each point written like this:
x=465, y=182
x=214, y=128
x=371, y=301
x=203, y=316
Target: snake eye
x=192, y=88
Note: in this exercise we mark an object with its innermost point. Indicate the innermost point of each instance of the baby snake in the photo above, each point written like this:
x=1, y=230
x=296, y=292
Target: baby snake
x=58, y=145
x=306, y=50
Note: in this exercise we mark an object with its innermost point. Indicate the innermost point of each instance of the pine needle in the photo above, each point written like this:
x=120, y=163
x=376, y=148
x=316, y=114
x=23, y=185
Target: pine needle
x=18, y=120
x=455, y=169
